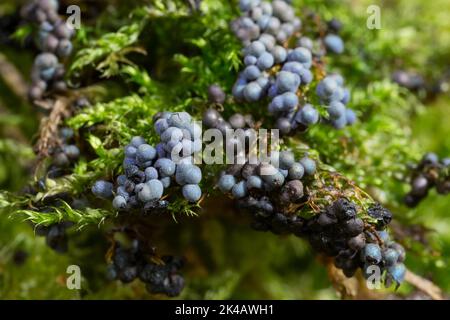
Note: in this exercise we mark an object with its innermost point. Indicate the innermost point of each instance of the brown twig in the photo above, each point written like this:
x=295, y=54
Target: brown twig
x=424, y=285
x=48, y=131
x=13, y=77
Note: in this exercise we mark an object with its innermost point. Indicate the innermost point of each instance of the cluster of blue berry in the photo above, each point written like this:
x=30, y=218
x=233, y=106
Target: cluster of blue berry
x=135, y=262
x=264, y=30
x=430, y=172
x=149, y=170
x=265, y=188
x=54, y=40
x=64, y=155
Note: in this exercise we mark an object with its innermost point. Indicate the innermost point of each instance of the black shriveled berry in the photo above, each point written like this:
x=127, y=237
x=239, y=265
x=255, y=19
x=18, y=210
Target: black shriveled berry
x=353, y=227
x=357, y=243
x=344, y=209
x=381, y=214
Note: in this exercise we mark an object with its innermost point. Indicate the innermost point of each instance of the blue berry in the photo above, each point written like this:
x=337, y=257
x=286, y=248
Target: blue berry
x=192, y=192
x=336, y=110
x=151, y=173
x=165, y=182
x=372, y=253
x=309, y=165
x=296, y=171
x=334, y=43
x=254, y=182
x=226, y=182
x=286, y=159
x=279, y=54
x=252, y=92
x=287, y=81
x=165, y=166
x=250, y=60
x=350, y=116
x=152, y=190
x=137, y=141
x=265, y=61
x=390, y=257
x=119, y=203
x=307, y=115
x=397, y=272
x=251, y=73
x=102, y=189
x=145, y=153
x=239, y=190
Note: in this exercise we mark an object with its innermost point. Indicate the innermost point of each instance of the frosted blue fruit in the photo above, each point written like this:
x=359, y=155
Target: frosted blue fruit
x=65, y=48
x=265, y=61
x=239, y=190
x=336, y=110
x=161, y=125
x=179, y=119
x=71, y=151
x=307, y=115
x=446, y=162
x=263, y=22
x=263, y=82
x=288, y=28
x=250, y=60
x=266, y=7
x=165, y=182
x=256, y=48
x=296, y=171
x=251, y=73
x=192, y=192
x=102, y=189
x=130, y=151
x=347, y=96
x=139, y=187
x=122, y=192
x=160, y=150
x=186, y=160
x=329, y=86
x=294, y=67
x=268, y=40
x=430, y=157
x=66, y=133
x=165, y=167
x=226, y=182
x=173, y=148
x=340, y=122
x=137, y=141
x=45, y=61
x=284, y=172
x=146, y=152
x=246, y=5
x=279, y=54
x=337, y=95
x=338, y=78
x=254, y=182
x=252, y=92
x=305, y=42
x=276, y=105
x=390, y=257
x=192, y=174
x=309, y=165
x=287, y=81
x=238, y=88
x=151, y=190
x=350, y=116
x=334, y=43
x=286, y=159
x=271, y=176
x=48, y=73
x=372, y=253
x=383, y=235
x=290, y=101
x=151, y=173
x=301, y=55
x=172, y=133
x=119, y=203
x=282, y=36
x=306, y=76
x=273, y=26
x=397, y=272
x=121, y=180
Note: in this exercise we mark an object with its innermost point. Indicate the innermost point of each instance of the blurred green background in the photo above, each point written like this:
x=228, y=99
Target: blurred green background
x=228, y=259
